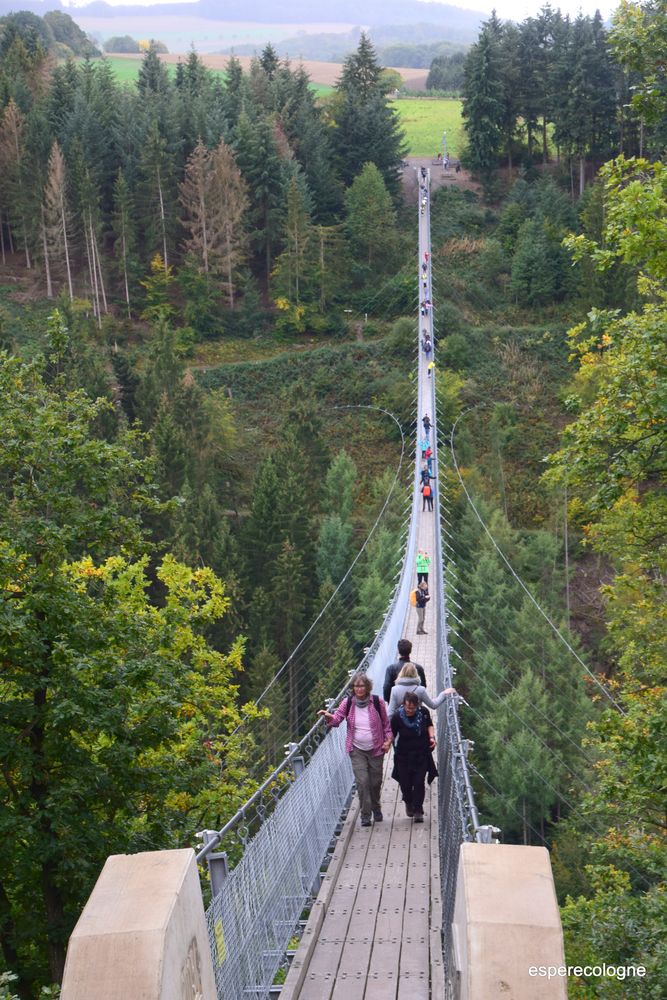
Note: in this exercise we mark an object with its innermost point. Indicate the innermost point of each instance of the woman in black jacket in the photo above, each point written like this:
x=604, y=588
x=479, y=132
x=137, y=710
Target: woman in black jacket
x=414, y=739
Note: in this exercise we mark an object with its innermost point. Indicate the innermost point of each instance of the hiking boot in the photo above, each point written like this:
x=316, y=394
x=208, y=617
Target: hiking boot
x=409, y=811
x=419, y=815
x=365, y=821
x=377, y=815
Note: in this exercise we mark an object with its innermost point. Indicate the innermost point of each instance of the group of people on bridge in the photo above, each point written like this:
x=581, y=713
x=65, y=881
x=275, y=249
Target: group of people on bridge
x=400, y=719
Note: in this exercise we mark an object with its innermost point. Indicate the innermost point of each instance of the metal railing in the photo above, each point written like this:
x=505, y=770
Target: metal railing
x=457, y=812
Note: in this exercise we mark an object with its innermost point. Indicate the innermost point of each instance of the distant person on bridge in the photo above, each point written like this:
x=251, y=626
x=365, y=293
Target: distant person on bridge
x=423, y=562
x=427, y=495
x=408, y=680
x=426, y=420
x=414, y=741
x=430, y=368
x=421, y=600
x=428, y=455
x=368, y=739
x=427, y=345
x=425, y=474
x=394, y=669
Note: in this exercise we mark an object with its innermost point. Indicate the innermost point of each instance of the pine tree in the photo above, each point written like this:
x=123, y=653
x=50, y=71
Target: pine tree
x=483, y=99
x=194, y=197
x=57, y=222
x=124, y=230
x=234, y=92
x=12, y=157
x=521, y=765
x=262, y=170
x=333, y=550
x=153, y=77
x=157, y=201
x=296, y=263
x=367, y=127
x=288, y=595
x=371, y=220
x=510, y=69
x=230, y=193
x=339, y=486
x=273, y=731
x=262, y=531
x=528, y=84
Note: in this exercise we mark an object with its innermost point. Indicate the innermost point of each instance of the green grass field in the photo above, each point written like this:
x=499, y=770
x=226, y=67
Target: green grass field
x=126, y=70
x=424, y=119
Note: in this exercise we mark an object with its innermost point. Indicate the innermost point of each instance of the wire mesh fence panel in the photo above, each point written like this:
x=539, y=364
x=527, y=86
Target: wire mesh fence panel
x=250, y=921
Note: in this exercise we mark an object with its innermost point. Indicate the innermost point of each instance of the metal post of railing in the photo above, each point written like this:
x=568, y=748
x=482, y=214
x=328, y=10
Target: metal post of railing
x=218, y=865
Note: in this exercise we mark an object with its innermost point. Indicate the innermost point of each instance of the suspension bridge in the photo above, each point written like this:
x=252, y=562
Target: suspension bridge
x=306, y=904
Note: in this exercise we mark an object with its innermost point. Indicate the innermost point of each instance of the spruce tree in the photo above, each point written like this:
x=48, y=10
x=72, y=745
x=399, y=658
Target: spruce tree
x=57, y=221
x=125, y=239
x=262, y=169
x=367, y=127
x=371, y=221
x=289, y=595
x=153, y=76
x=294, y=272
x=483, y=100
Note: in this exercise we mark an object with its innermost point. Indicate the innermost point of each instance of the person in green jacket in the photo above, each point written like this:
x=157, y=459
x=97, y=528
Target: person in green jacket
x=423, y=564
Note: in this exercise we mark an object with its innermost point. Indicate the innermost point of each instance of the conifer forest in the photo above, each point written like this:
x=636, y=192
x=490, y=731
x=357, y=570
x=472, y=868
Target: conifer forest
x=208, y=318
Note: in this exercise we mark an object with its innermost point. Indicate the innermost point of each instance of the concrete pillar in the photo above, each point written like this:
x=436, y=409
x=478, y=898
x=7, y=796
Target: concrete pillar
x=506, y=921
x=142, y=934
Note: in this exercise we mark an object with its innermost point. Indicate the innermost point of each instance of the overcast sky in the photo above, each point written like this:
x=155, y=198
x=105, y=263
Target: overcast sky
x=517, y=10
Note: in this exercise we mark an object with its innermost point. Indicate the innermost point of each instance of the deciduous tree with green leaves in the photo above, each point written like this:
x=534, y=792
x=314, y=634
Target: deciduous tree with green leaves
x=107, y=696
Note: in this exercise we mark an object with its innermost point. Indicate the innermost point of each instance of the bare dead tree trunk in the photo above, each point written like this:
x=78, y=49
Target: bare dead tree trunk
x=91, y=271
x=162, y=220
x=322, y=295
x=230, y=269
x=125, y=280
x=96, y=262
x=68, y=266
x=2, y=238
x=47, y=266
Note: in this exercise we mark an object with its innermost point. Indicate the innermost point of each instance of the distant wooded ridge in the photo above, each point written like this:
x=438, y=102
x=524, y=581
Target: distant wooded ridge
x=414, y=45
x=294, y=11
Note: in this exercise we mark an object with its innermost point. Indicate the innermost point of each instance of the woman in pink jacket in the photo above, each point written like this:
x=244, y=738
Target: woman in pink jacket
x=368, y=739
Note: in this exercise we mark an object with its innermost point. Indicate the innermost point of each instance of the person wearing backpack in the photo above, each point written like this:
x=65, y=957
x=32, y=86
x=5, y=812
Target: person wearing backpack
x=408, y=680
x=421, y=600
x=394, y=669
x=368, y=739
x=427, y=496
